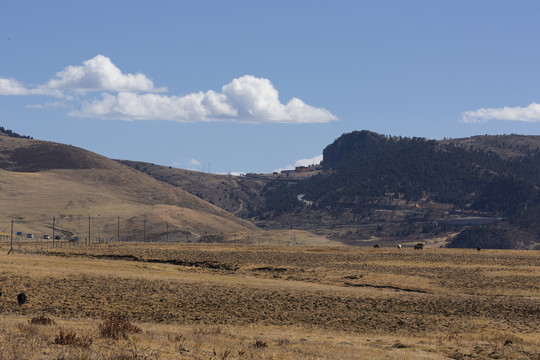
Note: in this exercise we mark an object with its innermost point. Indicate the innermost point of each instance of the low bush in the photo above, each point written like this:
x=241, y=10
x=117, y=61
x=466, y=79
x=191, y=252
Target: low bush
x=259, y=344
x=71, y=338
x=116, y=326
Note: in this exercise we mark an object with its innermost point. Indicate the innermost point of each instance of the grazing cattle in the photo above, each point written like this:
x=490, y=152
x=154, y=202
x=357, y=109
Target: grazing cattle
x=508, y=343
x=478, y=248
x=418, y=246
x=21, y=298
x=377, y=246
x=399, y=246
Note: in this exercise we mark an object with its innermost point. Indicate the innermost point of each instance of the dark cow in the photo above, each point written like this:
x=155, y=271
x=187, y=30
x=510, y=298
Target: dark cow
x=377, y=246
x=478, y=248
x=21, y=298
x=418, y=246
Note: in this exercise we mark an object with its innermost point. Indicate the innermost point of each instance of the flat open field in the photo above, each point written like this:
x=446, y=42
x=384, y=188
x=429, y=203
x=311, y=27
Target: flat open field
x=205, y=301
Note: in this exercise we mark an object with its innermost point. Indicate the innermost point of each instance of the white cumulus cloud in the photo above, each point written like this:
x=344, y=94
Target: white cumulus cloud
x=245, y=99
x=126, y=96
x=96, y=74
x=100, y=74
x=530, y=113
x=132, y=106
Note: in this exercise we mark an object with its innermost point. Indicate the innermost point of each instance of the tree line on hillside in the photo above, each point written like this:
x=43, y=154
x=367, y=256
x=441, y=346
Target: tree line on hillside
x=13, y=134
x=361, y=168
x=485, y=237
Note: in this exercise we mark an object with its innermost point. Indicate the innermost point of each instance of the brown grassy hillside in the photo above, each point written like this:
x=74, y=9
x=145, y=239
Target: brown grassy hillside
x=41, y=180
x=235, y=194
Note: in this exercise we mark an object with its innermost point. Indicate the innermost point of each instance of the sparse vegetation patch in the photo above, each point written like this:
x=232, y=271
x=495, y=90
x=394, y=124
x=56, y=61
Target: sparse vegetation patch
x=116, y=326
x=66, y=337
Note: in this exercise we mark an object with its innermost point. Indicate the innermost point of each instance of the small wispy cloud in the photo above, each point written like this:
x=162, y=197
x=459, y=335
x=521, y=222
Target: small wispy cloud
x=189, y=164
x=307, y=162
x=129, y=97
x=529, y=113
x=12, y=87
x=316, y=160
x=49, y=105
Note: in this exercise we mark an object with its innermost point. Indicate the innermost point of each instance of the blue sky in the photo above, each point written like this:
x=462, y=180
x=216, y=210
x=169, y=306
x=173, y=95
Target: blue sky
x=252, y=86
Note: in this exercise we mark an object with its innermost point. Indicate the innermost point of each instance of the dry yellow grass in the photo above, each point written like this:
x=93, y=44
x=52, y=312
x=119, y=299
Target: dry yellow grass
x=47, y=180
x=32, y=199
x=22, y=340
x=217, y=301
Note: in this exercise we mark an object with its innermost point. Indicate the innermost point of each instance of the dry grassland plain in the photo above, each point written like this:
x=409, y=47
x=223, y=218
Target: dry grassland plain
x=205, y=301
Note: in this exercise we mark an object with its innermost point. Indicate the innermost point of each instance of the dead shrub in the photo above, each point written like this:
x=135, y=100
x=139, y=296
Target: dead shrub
x=399, y=345
x=259, y=344
x=222, y=356
x=71, y=338
x=116, y=326
x=41, y=320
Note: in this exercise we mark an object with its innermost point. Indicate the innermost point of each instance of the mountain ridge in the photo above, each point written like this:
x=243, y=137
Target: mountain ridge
x=377, y=188
x=370, y=188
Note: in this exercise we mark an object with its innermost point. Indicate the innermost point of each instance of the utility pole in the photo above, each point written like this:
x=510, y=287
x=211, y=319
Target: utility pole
x=88, y=229
x=144, y=230
x=118, y=237
x=11, y=248
x=53, y=220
